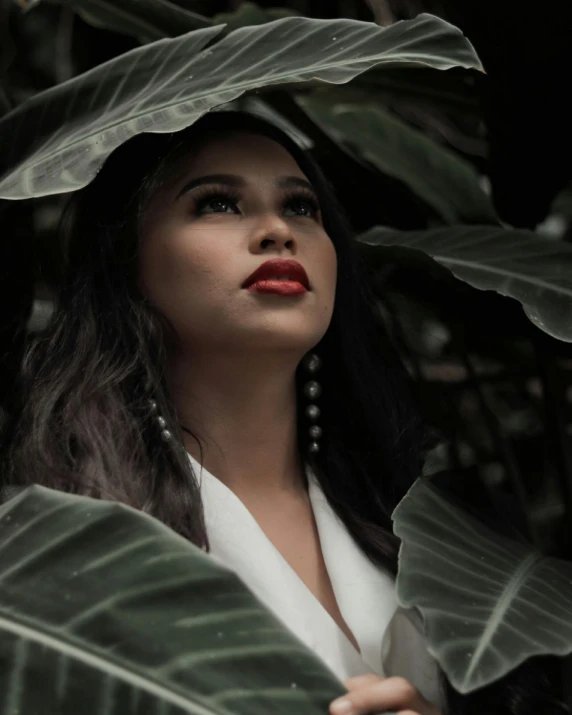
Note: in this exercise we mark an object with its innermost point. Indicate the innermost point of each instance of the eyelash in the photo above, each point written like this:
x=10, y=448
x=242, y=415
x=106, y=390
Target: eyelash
x=203, y=197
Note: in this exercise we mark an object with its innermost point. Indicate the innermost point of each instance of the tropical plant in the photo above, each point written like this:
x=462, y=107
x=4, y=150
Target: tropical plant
x=324, y=80
x=104, y=609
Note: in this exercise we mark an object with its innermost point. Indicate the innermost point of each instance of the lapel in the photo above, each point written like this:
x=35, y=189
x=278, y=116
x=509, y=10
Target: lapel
x=391, y=637
x=364, y=593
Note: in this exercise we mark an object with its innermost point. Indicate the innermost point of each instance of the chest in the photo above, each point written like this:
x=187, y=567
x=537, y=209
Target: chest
x=292, y=530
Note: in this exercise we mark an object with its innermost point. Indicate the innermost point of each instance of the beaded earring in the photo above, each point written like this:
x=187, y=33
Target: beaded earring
x=166, y=435
x=312, y=362
x=312, y=389
x=160, y=421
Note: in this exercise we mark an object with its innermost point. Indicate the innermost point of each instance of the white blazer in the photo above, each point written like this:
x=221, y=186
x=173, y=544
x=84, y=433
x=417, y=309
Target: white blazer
x=390, y=637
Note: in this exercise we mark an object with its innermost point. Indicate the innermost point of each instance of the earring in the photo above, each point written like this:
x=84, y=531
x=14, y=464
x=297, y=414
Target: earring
x=166, y=435
x=312, y=362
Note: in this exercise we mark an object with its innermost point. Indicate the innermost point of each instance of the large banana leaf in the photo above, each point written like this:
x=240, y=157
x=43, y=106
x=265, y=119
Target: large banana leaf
x=106, y=611
x=149, y=20
x=57, y=140
x=448, y=183
x=488, y=602
x=516, y=263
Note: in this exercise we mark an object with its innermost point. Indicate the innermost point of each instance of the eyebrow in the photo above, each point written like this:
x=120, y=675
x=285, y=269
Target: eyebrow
x=282, y=182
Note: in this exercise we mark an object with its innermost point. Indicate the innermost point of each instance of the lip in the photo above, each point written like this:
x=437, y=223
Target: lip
x=279, y=267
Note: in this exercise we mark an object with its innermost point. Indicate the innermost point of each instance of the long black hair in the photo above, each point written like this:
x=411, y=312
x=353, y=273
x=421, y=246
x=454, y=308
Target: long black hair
x=81, y=420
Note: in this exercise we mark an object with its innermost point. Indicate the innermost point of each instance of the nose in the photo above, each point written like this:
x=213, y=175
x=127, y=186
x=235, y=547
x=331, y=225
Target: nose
x=275, y=232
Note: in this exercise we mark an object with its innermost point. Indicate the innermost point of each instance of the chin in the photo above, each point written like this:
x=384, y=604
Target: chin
x=281, y=339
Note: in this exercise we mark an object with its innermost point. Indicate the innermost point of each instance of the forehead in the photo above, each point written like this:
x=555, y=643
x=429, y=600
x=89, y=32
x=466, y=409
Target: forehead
x=256, y=157
x=242, y=152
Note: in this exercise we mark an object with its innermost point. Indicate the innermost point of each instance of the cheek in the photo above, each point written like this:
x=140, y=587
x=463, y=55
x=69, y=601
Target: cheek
x=330, y=263
x=184, y=276
x=323, y=259
x=175, y=260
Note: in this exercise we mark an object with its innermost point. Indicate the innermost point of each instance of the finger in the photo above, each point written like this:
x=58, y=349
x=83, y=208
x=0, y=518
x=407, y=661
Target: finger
x=394, y=693
x=360, y=681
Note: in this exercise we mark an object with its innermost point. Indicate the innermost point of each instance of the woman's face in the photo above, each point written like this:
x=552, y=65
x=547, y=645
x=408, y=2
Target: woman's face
x=197, y=250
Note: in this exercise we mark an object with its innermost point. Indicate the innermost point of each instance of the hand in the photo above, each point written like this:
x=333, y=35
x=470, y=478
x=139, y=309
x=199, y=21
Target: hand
x=372, y=694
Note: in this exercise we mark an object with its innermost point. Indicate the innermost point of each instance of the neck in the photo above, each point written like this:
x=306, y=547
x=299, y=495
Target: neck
x=244, y=411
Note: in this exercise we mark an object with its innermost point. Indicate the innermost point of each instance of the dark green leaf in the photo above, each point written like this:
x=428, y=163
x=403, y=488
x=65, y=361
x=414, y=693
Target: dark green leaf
x=57, y=141
x=488, y=603
x=250, y=14
x=147, y=20
x=436, y=174
x=105, y=610
x=516, y=263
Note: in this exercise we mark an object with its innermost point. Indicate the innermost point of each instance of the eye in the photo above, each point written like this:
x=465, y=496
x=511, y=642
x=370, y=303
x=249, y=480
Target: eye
x=219, y=197
x=215, y=197
x=304, y=198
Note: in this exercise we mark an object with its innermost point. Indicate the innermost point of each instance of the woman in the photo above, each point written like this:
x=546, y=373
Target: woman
x=271, y=413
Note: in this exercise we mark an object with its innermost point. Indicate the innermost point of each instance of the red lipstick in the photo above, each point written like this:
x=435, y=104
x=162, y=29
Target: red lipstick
x=280, y=276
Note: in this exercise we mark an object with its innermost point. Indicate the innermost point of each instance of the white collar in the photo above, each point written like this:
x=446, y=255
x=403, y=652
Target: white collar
x=365, y=593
